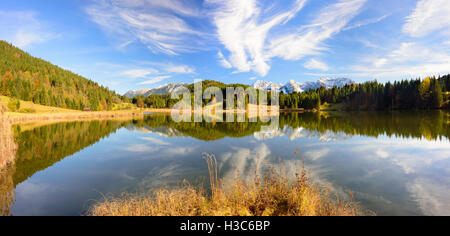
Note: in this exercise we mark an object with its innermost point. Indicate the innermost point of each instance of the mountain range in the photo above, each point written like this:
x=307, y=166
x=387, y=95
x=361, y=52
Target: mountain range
x=162, y=90
x=288, y=88
x=293, y=86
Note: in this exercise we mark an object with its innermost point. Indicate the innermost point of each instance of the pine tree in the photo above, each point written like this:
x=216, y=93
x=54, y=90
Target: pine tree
x=436, y=94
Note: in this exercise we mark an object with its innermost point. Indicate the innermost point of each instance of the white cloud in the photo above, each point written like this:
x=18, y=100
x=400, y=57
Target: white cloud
x=244, y=161
x=179, y=69
x=409, y=60
x=22, y=28
x=141, y=148
x=157, y=24
x=366, y=22
x=330, y=21
x=176, y=6
x=223, y=61
x=317, y=154
x=179, y=151
x=169, y=67
x=155, y=141
x=382, y=154
x=432, y=196
x=428, y=17
x=23, y=39
x=138, y=73
x=380, y=62
x=243, y=30
x=368, y=44
x=156, y=79
x=314, y=64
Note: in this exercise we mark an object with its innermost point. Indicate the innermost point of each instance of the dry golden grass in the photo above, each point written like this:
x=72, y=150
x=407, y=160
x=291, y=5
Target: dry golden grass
x=73, y=116
x=7, y=154
x=36, y=108
x=7, y=145
x=273, y=195
x=46, y=114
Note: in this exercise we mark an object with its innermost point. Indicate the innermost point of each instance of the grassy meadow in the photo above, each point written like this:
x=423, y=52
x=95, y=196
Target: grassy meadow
x=28, y=112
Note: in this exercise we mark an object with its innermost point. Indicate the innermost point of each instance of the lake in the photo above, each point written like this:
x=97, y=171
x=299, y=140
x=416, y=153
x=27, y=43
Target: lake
x=394, y=163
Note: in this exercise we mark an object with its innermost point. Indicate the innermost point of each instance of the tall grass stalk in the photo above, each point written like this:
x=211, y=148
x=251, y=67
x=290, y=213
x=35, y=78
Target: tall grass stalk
x=7, y=168
x=7, y=145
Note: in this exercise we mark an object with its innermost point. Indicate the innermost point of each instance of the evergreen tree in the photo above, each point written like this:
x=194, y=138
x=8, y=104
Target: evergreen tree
x=436, y=94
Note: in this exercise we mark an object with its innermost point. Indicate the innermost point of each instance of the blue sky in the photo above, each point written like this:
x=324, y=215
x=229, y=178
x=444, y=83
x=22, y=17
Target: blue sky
x=133, y=44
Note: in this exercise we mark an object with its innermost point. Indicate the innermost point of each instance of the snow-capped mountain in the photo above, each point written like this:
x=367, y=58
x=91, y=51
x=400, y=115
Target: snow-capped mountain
x=296, y=133
x=162, y=90
x=134, y=93
x=265, y=85
x=290, y=87
x=330, y=83
x=293, y=86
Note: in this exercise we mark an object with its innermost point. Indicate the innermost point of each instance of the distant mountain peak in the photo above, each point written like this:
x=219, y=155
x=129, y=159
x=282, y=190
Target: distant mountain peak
x=290, y=87
x=161, y=90
x=294, y=86
x=266, y=85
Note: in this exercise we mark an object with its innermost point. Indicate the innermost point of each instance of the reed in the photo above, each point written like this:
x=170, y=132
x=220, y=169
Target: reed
x=7, y=145
x=7, y=155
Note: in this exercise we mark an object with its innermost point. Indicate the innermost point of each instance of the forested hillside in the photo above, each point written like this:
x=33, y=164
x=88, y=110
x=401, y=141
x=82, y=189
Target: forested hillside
x=428, y=93
x=32, y=79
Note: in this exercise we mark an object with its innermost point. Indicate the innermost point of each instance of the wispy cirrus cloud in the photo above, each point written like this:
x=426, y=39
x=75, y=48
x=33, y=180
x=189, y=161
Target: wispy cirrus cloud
x=366, y=22
x=146, y=73
x=404, y=62
x=158, y=24
x=138, y=73
x=223, y=61
x=329, y=22
x=179, y=69
x=159, y=73
x=155, y=80
x=368, y=43
x=244, y=29
x=169, y=67
x=155, y=141
x=314, y=64
x=428, y=17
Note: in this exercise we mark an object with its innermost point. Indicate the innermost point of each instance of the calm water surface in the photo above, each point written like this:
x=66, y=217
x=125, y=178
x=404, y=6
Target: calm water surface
x=395, y=163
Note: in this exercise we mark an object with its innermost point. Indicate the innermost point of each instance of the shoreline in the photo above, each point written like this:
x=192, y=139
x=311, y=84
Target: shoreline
x=26, y=118
x=17, y=118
